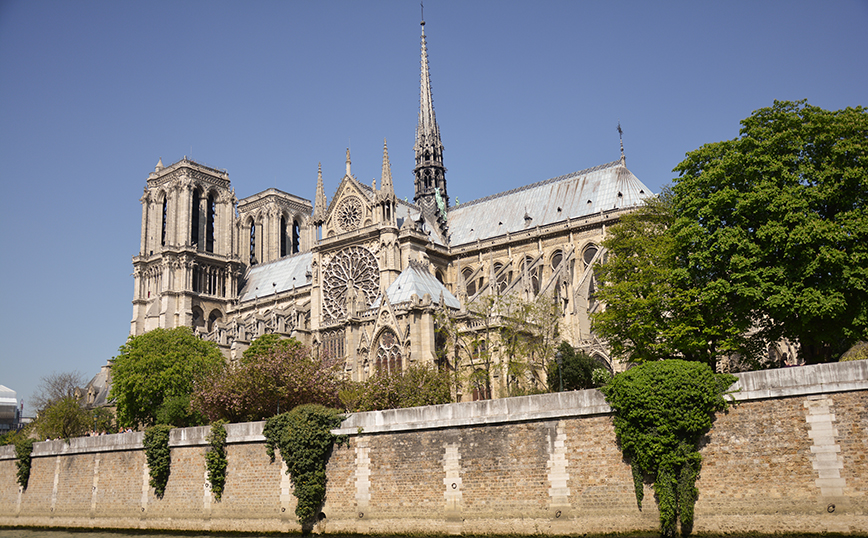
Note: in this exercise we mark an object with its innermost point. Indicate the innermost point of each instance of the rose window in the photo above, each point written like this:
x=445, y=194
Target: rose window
x=349, y=214
x=352, y=274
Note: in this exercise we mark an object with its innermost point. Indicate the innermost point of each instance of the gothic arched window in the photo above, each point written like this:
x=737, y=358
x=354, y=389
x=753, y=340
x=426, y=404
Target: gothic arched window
x=389, y=358
x=209, y=223
x=283, y=240
x=296, y=237
x=165, y=219
x=194, y=217
x=253, y=260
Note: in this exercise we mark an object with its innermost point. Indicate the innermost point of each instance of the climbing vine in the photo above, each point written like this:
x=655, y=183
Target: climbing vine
x=159, y=456
x=661, y=410
x=304, y=438
x=23, y=449
x=215, y=458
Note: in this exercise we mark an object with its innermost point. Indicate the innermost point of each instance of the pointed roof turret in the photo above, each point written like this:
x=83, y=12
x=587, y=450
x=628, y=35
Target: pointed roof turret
x=386, y=186
x=319, y=203
x=348, y=163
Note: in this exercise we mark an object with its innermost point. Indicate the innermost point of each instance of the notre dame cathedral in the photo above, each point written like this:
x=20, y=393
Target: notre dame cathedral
x=364, y=275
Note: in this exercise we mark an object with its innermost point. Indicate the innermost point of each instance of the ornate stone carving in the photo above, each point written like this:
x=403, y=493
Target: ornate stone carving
x=351, y=275
x=349, y=213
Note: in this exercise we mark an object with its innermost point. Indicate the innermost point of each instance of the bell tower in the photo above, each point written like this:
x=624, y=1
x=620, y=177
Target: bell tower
x=186, y=272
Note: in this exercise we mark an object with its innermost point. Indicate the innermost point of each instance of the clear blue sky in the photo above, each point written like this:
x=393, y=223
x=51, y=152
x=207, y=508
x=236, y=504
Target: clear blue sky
x=93, y=92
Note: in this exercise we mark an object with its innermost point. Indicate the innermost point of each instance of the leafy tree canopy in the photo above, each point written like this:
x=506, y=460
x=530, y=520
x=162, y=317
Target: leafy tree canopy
x=67, y=418
x=277, y=376
x=575, y=369
x=773, y=225
x=154, y=370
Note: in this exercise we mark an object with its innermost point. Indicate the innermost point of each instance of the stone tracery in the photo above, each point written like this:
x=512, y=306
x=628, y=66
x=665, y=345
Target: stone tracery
x=352, y=273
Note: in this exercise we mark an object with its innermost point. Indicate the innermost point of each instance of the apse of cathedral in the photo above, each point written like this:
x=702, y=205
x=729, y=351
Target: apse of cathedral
x=363, y=276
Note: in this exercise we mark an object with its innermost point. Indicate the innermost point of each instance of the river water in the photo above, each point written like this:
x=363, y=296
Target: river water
x=73, y=533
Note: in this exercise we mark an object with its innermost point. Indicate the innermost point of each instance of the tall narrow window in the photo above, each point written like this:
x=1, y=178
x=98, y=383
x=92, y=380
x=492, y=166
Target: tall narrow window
x=283, y=241
x=194, y=218
x=389, y=359
x=296, y=239
x=252, y=243
x=165, y=220
x=209, y=229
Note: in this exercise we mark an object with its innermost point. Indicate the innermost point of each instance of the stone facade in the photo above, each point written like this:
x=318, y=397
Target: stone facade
x=325, y=271
x=790, y=457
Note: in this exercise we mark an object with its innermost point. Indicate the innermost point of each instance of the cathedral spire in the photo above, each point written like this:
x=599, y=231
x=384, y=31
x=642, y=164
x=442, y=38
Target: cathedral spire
x=319, y=203
x=429, y=172
x=386, y=186
x=621, y=137
x=348, y=163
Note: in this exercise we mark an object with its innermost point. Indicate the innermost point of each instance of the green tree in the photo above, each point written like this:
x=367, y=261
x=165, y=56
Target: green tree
x=63, y=419
x=653, y=310
x=575, y=370
x=156, y=371
x=773, y=226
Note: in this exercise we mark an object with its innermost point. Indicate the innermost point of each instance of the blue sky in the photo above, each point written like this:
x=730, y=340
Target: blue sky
x=93, y=93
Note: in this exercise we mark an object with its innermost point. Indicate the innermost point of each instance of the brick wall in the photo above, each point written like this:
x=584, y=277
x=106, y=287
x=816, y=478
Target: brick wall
x=791, y=456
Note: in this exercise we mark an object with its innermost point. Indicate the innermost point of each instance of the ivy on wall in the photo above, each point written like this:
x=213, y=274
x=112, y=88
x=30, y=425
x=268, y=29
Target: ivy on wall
x=661, y=410
x=159, y=457
x=304, y=438
x=23, y=449
x=215, y=458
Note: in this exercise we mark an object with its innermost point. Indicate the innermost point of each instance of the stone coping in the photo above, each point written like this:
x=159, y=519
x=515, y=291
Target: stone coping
x=764, y=384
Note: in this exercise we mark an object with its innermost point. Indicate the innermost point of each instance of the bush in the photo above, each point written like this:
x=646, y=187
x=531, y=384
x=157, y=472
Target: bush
x=856, y=353
x=285, y=375
x=661, y=410
x=215, y=458
x=159, y=457
x=305, y=441
x=417, y=386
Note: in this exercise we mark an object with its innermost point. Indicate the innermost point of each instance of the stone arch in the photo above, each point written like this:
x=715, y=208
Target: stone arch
x=198, y=318
x=389, y=356
x=213, y=318
x=469, y=285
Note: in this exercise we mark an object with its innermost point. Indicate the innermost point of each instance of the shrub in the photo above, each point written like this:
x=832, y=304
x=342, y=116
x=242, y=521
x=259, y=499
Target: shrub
x=661, y=410
x=305, y=441
x=159, y=457
x=417, y=386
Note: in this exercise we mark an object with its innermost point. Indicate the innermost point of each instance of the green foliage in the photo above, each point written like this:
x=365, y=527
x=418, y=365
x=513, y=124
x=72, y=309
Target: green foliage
x=23, y=449
x=856, y=353
x=600, y=376
x=279, y=375
x=215, y=458
x=305, y=441
x=156, y=371
x=529, y=337
x=418, y=385
x=159, y=455
x=772, y=229
x=65, y=418
x=267, y=344
x=661, y=410
x=652, y=309
x=576, y=371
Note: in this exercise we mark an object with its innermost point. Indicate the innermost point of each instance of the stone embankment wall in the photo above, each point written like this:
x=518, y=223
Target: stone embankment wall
x=792, y=456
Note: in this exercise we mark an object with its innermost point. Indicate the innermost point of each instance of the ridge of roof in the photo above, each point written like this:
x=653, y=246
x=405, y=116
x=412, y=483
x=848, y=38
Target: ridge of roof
x=537, y=184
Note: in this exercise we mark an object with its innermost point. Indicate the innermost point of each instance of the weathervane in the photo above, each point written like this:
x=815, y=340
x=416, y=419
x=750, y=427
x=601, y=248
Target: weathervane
x=621, y=138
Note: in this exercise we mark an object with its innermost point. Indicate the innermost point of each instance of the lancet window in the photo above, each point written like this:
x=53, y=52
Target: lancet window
x=165, y=221
x=209, y=226
x=389, y=358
